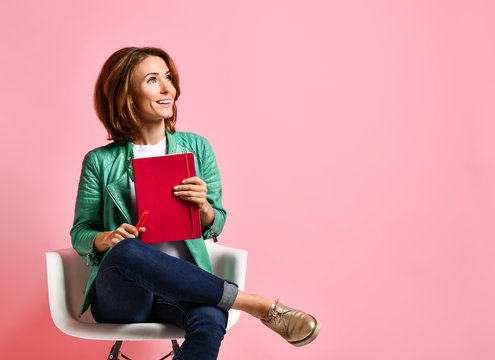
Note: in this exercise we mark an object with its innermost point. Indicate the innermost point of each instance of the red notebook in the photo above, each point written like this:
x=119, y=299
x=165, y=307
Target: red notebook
x=169, y=218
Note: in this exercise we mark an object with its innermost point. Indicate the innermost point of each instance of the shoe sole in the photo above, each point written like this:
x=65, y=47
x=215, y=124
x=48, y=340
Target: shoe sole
x=311, y=337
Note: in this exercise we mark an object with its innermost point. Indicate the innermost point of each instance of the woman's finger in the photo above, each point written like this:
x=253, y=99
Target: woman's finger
x=193, y=180
x=115, y=239
x=194, y=199
x=130, y=229
x=190, y=193
x=125, y=234
x=184, y=195
x=189, y=187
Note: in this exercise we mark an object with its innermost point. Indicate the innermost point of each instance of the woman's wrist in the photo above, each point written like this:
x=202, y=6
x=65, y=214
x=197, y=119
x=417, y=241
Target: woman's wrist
x=100, y=244
x=207, y=215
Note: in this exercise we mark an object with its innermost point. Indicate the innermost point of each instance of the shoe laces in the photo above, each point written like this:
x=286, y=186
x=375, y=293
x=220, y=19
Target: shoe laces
x=275, y=312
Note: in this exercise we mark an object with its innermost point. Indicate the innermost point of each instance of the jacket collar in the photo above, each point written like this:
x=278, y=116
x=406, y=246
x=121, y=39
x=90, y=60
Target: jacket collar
x=171, y=142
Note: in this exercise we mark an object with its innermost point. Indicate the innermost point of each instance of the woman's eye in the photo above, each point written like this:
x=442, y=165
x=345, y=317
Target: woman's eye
x=168, y=78
x=152, y=80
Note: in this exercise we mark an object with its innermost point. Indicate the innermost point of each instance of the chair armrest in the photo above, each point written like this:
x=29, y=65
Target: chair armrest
x=228, y=263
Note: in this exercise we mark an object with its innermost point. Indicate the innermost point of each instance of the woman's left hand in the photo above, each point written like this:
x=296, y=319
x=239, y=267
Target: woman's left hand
x=194, y=189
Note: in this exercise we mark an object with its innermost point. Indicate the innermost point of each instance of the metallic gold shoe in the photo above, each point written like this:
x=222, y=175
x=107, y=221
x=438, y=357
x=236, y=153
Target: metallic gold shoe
x=295, y=326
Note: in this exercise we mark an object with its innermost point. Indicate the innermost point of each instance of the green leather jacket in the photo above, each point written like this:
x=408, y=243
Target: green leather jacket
x=104, y=202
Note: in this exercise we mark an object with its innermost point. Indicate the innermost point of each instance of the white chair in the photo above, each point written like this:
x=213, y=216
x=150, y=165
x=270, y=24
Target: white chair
x=67, y=274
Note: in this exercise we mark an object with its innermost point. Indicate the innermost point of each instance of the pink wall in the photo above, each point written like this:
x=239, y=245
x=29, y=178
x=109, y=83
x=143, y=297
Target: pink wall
x=355, y=143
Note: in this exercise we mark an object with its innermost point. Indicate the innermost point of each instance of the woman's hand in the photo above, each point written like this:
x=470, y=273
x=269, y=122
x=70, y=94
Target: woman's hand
x=108, y=239
x=194, y=189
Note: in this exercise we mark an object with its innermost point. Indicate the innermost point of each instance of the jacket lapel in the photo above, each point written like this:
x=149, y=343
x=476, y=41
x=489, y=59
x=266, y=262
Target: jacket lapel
x=171, y=143
x=119, y=189
x=120, y=194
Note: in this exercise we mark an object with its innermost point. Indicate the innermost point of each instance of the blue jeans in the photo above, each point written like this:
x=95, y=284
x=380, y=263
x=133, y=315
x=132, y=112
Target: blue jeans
x=137, y=283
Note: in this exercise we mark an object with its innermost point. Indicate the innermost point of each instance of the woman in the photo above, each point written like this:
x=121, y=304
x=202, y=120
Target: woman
x=135, y=99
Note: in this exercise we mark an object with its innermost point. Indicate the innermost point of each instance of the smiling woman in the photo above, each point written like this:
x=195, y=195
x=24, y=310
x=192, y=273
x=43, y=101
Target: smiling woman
x=124, y=76
x=171, y=282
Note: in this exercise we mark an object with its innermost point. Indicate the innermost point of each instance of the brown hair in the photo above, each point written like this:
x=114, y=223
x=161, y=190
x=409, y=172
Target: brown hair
x=113, y=92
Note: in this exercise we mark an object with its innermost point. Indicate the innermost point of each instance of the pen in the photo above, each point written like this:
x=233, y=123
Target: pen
x=142, y=219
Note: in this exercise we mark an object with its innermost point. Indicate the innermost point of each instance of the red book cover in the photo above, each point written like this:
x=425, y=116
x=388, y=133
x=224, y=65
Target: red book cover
x=169, y=218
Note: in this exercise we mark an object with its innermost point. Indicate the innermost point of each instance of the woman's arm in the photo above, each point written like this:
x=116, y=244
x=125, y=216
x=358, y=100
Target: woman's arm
x=88, y=211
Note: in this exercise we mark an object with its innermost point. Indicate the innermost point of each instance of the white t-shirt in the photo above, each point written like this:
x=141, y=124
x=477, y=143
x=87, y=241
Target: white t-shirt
x=173, y=248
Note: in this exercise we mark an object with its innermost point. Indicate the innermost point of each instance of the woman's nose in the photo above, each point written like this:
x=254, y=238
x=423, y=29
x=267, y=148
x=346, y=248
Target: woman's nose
x=166, y=86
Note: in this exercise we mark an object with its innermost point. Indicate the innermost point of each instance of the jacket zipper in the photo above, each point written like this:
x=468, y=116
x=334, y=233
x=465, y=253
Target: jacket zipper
x=88, y=256
x=118, y=207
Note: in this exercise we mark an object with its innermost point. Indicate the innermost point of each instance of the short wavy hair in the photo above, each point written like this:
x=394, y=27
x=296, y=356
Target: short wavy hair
x=113, y=93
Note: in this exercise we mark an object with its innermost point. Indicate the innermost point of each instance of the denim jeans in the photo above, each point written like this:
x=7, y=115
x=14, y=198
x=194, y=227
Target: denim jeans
x=137, y=283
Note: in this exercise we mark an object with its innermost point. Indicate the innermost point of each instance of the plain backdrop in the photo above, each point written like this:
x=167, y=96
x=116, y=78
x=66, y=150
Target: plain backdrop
x=355, y=144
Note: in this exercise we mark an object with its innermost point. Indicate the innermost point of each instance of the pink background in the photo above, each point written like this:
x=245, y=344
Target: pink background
x=356, y=146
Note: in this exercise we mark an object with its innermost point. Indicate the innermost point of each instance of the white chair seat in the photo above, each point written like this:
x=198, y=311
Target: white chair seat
x=67, y=274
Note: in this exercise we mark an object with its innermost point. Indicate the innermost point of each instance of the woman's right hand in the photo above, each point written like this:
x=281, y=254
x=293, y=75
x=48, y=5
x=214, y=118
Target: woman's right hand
x=108, y=239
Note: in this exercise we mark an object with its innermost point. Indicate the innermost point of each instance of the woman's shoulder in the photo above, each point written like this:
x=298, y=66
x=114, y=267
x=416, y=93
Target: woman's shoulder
x=192, y=141
x=189, y=137
x=104, y=153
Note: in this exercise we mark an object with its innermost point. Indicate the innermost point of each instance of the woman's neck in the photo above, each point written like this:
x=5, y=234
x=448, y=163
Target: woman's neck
x=151, y=134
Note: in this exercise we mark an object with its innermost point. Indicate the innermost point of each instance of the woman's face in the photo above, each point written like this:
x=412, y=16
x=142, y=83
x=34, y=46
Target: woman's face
x=152, y=90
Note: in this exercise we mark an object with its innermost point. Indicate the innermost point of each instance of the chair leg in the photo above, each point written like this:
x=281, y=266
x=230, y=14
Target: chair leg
x=175, y=348
x=114, y=352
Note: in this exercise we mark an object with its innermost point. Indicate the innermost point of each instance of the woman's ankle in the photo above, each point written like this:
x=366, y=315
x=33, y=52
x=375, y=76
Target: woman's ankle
x=255, y=305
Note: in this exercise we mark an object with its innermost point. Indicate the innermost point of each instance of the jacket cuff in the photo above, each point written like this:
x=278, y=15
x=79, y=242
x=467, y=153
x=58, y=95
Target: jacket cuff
x=215, y=228
x=92, y=258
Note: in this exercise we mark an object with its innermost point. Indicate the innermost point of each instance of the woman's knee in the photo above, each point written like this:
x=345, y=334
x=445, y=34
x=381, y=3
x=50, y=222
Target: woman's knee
x=126, y=250
x=129, y=243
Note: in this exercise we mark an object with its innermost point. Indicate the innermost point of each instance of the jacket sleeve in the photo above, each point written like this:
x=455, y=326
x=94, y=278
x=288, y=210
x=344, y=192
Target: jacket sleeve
x=89, y=209
x=211, y=176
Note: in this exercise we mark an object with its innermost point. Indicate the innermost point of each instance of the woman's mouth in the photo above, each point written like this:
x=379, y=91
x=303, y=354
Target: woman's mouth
x=164, y=102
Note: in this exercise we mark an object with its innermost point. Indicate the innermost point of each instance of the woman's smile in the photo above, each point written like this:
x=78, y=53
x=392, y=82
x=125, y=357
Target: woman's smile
x=165, y=103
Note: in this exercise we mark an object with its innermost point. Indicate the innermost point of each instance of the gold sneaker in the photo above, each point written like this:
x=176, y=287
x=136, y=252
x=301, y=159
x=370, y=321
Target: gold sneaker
x=295, y=326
